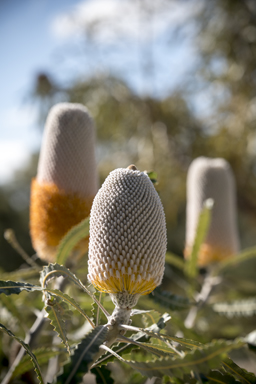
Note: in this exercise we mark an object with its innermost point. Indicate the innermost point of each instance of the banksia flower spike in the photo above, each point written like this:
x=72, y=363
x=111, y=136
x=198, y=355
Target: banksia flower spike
x=66, y=181
x=212, y=178
x=127, y=237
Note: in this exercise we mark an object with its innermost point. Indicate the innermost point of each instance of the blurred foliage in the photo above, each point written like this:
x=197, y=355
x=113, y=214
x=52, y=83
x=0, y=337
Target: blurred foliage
x=14, y=213
x=221, y=338
x=227, y=46
x=166, y=134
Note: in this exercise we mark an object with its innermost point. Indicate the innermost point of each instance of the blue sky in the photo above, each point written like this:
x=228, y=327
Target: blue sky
x=27, y=46
x=33, y=36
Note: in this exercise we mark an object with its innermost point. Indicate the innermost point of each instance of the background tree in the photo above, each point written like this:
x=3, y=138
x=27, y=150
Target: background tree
x=211, y=114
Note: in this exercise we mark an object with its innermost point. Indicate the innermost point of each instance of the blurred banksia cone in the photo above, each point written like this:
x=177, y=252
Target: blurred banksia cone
x=66, y=181
x=127, y=237
x=212, y=178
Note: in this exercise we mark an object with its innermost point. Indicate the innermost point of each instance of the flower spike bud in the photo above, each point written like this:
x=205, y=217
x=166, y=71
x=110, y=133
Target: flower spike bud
x=212, y=179
x=66, y=181
x=127, y=237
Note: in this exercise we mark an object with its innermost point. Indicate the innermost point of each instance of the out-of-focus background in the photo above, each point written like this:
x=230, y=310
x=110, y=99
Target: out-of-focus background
x=165, y=81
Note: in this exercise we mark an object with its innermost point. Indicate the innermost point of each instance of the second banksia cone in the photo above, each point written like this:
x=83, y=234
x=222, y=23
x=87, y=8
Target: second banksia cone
x=212, y=178
x=127, y=237
x=66, y=181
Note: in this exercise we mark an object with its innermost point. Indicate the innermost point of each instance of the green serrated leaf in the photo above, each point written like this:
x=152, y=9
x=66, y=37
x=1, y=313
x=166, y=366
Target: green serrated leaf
x=12, y=287
x=102, y=375
x=175, y=260
x=169, y=300
x=188, y=343
x=150, y=318
x=52, y=270
x=187, y=379
x=83, y=356
x=69, y=300
x=28, y=350
x=237, y=308
x=201, y=231
x=72, y=238
x=202, y=359
x=218, y=377
x=43, y=356
x=55, y=270
x=96, y=314
x=240, y=373
x=123, y=349
x=153, y=333
x=159, y=348
x=58, y=313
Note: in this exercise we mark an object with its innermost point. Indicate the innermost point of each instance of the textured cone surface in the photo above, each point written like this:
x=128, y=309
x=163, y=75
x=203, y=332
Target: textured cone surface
x=127, y=235
x=67, y=156
x=66, y=182
x=212, y=178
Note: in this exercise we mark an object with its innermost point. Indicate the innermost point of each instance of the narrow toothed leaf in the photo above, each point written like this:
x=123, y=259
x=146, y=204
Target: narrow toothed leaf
x=96, y=314
x=220, y=378
x=159, y=349
x=28, y=350
x=69, y=300
x=59, y=313
x=239, y=373
x=43, y=356
x=80, y=360
x=190, y=344
x=54, y=270
x=102, y=375
x=169, y=300
x=12, y=287
x=72, y=238
x=151, y=318
x=153, y=333
x=160, y=324
x=207, y=357
x=124, y=349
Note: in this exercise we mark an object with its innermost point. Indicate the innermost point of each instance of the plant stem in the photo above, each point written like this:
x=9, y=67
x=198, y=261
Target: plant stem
x=30, y=339
x=9, y=235
x=201, y=299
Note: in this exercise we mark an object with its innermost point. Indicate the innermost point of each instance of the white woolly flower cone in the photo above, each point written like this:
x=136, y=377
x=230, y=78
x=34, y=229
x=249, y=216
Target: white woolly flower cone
x=212, y=178
x=127, y=237
x=66, y=181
